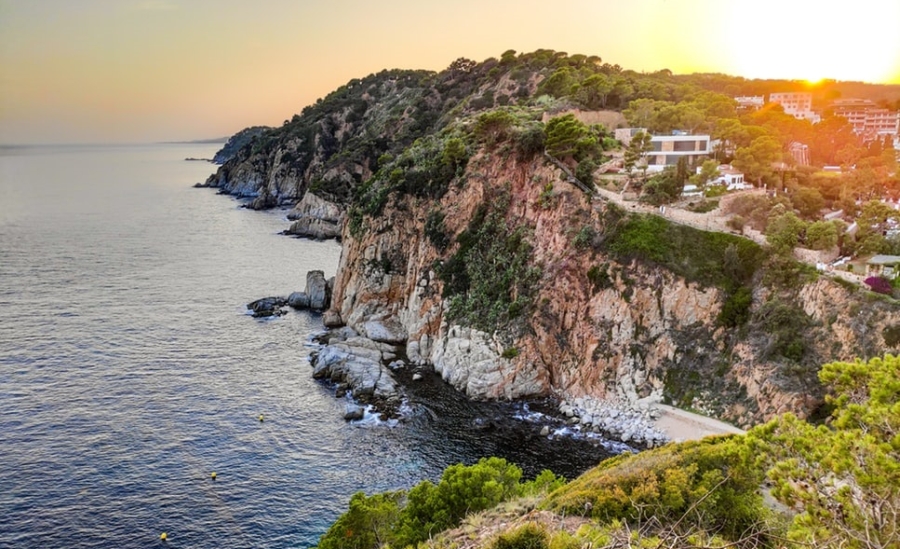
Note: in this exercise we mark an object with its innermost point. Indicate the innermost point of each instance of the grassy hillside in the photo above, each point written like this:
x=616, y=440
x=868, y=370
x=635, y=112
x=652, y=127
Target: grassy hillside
x=838, y=485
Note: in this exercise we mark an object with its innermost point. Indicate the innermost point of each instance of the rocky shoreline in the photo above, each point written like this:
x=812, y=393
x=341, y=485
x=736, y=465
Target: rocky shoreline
x=362, y=364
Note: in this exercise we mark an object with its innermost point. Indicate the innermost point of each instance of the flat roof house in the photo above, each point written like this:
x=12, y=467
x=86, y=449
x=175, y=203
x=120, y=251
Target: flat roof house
x=667, y=149
x=883, y=265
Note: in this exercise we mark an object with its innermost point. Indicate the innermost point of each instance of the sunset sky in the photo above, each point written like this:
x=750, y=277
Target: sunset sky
x=150, y=70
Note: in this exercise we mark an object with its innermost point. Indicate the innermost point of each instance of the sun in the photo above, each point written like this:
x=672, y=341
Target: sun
x=801, y=40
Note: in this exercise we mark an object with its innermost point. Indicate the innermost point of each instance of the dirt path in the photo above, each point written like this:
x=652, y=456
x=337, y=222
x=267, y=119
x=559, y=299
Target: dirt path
x=680, y=425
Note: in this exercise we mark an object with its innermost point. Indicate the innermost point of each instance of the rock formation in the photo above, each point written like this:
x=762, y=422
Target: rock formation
x=633, y=329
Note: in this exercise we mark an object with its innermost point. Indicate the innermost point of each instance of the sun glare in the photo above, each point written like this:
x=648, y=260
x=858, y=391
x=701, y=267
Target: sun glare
x=811, y=41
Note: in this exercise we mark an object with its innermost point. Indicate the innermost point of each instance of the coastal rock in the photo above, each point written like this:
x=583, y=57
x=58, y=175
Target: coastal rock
x=316, y=290
x=354, y=412
x=267, y=306
x=315, y=217
x=332, y=319
x=358, y=363
x=299, y=300
x=387, y=330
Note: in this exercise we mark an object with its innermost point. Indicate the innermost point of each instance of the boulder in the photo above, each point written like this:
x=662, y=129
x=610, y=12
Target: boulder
x=267, y=306
x=332, y=319
x=298, y=300
x=386, y=330
x=316, y=290
x=354, y=412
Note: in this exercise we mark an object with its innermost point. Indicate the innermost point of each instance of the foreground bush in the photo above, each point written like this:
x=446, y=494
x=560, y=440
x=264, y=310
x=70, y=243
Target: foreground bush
x=711, y=484
x=404, y=519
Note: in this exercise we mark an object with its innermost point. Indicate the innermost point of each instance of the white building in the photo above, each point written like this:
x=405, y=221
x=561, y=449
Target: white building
x=796, y=104
x=869, y=121
x=732, y=179
x=668, y=149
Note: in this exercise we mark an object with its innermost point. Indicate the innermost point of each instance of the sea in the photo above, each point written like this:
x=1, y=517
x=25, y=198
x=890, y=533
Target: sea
x=130, y=369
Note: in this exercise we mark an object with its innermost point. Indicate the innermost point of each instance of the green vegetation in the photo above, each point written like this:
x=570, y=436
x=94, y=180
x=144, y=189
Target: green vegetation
x=708, y=258
x=510, y=352
x=599, y=277
x=844, y=476
x=785, y=324
x=713, y=482
x=527, y=536
x=404, y=519
x=489, y=279
x=840, y=480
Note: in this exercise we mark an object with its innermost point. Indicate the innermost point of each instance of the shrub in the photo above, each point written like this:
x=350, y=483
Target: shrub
x=527, y=536
x=462, y=489
x=584, y=237
x=529, y=139
x=737, y=223
x=736, y=309
x=711, y=483
x=510, y=352
x=879, y=285
x=698, y=256
x=785, y=324
x=434, y=230
x=891, y=335
x=489, y=280
x=599, y=277
x=584, y=172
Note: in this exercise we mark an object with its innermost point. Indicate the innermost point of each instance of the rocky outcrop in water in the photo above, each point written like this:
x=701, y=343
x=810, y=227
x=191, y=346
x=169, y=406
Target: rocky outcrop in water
x=357, y=364
x=316, y=218
x=268, y=306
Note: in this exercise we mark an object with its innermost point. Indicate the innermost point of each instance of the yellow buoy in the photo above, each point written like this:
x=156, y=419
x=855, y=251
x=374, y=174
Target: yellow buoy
x=261, y=417
x=163, y=536
x=213, y=475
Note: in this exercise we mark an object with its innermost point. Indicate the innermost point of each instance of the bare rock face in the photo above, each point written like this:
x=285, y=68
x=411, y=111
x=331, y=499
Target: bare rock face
x=387, y=330
x=641, y=333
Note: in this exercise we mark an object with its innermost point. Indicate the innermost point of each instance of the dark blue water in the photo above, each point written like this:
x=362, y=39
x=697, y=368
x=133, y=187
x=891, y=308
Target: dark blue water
x=130, y=371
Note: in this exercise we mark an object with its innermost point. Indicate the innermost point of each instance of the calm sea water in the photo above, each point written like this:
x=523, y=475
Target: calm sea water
x=130, y=371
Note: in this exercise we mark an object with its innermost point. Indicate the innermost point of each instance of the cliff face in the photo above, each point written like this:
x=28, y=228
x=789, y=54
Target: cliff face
x=595, y=322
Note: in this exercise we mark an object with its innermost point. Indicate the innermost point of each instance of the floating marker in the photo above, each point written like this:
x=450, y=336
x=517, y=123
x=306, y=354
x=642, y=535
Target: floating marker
x=163, y=536
x=261, y=417
x=213, y=475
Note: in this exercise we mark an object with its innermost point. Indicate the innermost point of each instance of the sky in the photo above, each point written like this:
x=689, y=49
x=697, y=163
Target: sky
x=105, y=71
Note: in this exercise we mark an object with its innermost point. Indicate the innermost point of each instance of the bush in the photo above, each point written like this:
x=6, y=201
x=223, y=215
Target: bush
x=736, y=309
x=891, y=335
x=785, y=324
x=698, y=256
x=584, y=172
x=527, y=536
x=462, y=489
x=435, y=231
x=489, y=280
x=599, y=277
x=711, y=483
x=510, y=352
x=879, y=285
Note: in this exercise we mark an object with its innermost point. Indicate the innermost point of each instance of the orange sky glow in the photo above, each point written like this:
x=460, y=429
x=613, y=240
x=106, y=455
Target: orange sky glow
x=150, y=70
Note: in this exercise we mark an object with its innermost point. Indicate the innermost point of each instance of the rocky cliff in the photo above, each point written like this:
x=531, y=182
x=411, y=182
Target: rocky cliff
x=604, y=314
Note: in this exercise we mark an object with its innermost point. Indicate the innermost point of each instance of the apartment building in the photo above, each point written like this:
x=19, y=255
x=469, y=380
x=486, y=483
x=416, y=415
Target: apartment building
x=869, y=121
x=796, y=104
